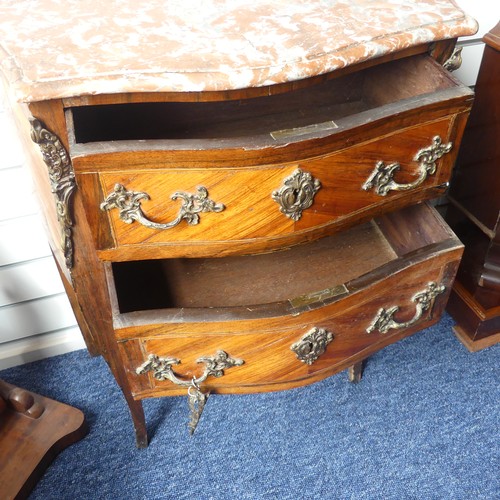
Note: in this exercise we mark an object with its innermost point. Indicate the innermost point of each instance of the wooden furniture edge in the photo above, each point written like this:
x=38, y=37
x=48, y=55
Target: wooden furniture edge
x=475, y=345
x=45, y=425
x=462, y=303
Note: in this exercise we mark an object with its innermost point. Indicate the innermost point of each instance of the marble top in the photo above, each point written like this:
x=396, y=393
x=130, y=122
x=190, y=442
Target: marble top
x=62, y=48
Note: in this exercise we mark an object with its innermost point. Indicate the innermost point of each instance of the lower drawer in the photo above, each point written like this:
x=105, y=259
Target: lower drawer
x=351, y=295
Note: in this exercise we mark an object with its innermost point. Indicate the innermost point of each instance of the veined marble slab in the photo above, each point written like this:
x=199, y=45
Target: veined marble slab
x=62, y=48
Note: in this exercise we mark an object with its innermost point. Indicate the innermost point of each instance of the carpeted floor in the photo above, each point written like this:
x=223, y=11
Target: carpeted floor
x=422, y=424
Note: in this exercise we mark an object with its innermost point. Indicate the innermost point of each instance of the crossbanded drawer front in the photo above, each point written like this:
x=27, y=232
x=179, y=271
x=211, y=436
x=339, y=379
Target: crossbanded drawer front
x=305, y=348
x=266, y=207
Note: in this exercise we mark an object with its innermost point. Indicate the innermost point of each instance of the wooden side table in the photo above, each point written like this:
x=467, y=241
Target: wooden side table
x=33, y=430
x=474, y=212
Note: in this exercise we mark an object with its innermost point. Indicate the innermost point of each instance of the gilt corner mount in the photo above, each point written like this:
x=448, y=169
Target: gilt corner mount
x=62, y=182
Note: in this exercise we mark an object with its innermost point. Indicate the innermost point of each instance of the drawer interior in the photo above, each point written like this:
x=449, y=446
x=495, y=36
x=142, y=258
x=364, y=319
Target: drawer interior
x=268, y=283
x=315, y=110
x=248, y=280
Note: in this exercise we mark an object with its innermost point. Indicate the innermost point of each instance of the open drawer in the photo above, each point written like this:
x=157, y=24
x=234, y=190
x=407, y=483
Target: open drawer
x=292, y=317
x=239, y=176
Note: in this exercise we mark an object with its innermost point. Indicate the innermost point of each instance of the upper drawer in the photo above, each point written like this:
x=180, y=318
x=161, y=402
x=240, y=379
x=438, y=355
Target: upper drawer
x=254, y=175
x=324, y=114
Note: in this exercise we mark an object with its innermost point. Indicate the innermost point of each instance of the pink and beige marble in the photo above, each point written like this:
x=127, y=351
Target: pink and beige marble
x=62, y=48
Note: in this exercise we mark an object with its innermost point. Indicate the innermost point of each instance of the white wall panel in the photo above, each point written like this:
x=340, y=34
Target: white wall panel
x=36, y=319
x=17, y=198
x=471, y=60
x=12, y=153
x=29, y=280
x=485, y=12
x=43, y=315
x=22, y=239
x=38, y=347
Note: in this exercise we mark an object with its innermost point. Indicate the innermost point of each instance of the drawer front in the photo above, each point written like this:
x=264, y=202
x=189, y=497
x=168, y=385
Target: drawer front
x=262, y=208
x=299, y=349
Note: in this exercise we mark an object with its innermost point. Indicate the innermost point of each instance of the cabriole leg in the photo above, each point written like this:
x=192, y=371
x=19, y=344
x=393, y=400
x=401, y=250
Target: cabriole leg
x=139, y=420
x=355, y=372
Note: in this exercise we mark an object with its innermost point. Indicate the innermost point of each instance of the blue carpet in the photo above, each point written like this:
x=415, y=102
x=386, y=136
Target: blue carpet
x=422, y=424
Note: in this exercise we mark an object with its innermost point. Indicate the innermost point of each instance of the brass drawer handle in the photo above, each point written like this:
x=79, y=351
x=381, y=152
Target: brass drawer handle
x=424, y=300
x=296, y=194
x=312, y=345
x=382, y=177
x=162, y=368
x=129, y=205
x=455, y=60
x=214, y=366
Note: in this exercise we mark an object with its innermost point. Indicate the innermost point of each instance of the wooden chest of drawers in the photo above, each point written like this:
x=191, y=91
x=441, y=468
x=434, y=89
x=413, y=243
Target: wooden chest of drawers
x=257, y=237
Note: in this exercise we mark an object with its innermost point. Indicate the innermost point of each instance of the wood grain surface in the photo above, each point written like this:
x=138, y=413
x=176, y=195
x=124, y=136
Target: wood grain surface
x=33, y=430
x=474, y=211
x=264, y=341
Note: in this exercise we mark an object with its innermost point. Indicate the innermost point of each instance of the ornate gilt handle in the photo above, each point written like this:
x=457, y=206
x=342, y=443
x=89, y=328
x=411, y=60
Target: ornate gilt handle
x=214, y=367
x=129, y=205
x=382, y=177
x=162, y=368
x=424, y=300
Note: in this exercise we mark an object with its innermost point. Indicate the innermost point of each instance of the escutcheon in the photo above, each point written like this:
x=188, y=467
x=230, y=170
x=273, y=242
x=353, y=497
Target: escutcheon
x=296, y=194
x=312, y=345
